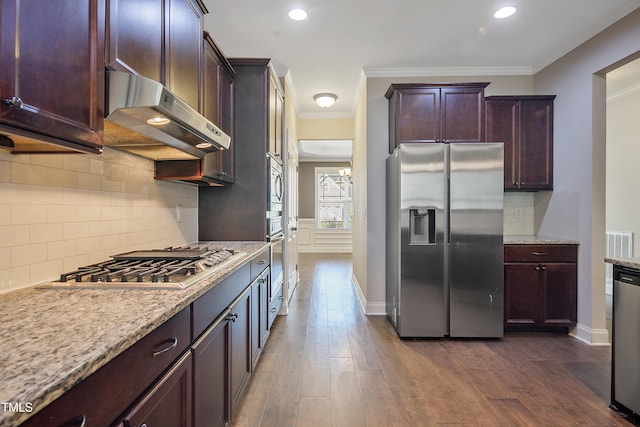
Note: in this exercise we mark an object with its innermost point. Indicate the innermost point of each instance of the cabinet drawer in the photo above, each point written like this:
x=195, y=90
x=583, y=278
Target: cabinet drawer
x=209, y=306
x=540, y=253
x=105, y=394
x=259, y=263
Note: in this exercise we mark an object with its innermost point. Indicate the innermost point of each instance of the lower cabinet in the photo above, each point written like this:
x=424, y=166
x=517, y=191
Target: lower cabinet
x=168, y=403
x=211, y=379
x=168, y=379
x=540, y=286
x=240, y=346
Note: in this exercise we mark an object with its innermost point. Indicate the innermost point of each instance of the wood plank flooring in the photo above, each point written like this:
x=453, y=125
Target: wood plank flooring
x=327, y=364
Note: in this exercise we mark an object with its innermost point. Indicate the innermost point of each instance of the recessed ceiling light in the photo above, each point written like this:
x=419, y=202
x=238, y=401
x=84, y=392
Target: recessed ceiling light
x=504, y=12
x=298, y=14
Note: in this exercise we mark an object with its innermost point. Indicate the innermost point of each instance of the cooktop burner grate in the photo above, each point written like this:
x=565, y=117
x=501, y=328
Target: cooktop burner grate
x=170, y=268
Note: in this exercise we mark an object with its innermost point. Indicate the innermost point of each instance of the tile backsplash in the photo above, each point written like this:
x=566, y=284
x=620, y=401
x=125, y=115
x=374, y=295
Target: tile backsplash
x=59, y=212
x=518, y=214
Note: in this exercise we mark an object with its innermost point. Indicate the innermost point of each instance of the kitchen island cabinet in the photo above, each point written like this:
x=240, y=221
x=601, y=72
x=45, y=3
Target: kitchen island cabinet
x=109, y=373
x=436, y=113
x=525, y=125
x=52, y=76
x=540, y=286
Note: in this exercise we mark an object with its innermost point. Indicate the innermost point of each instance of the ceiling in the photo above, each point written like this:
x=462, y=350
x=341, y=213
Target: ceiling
x=341, y=41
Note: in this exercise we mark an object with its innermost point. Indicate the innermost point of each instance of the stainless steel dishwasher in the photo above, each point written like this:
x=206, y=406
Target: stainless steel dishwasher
x=625, y=387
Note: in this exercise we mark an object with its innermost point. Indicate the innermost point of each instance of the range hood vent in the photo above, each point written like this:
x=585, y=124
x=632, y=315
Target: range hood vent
x=144, y=118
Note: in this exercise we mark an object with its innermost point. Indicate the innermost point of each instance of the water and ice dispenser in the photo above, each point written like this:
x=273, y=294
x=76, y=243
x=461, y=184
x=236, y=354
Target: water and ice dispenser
x=422, y=226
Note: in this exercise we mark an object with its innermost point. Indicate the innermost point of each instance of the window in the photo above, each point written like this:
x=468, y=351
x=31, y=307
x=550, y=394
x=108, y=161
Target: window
x=334, y=205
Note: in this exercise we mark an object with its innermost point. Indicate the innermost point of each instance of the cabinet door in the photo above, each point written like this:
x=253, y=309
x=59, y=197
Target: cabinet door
x=53, y=72
x=536, y=145
x=462, y=114
x=183, y=49
x=211, y=378
x=502, y=125
x=227, y=157
x=521, y=295
x=168, y=403
x=415, y=116
x=135, y=44
x=558, y=303
x=275, y=117
x=240, y=346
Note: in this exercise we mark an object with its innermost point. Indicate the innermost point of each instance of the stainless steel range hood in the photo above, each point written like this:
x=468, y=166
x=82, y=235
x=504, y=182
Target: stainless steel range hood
x=144, y=118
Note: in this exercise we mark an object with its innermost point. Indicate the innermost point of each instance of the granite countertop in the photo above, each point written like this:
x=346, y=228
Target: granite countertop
x=538, y=240
x=54, y=338
x=625, y=262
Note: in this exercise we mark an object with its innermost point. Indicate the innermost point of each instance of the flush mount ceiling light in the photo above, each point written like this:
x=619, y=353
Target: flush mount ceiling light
x=298, y=14
x=325, y=100
x=504, y=12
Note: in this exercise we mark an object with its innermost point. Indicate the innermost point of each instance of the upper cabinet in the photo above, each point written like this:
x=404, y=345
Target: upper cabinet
x=436, y=113
x=165, y=46
x=525, y=125
x=52, y=76
x=217, y=85
x=216, y=168
x=276, y=103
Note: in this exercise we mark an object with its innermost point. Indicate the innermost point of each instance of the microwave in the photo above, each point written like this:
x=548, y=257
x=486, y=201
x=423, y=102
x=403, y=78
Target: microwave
x=275, y=190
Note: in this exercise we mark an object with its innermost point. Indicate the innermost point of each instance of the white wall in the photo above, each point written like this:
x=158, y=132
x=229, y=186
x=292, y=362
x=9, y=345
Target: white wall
x=59, y=212
x=576, y=208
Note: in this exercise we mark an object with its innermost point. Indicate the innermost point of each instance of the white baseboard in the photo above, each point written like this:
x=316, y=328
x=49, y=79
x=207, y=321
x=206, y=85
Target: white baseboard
x=595, y=337
x=368, y=308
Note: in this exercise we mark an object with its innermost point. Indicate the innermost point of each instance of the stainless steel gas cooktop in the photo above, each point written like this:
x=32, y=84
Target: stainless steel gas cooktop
x=168, y=268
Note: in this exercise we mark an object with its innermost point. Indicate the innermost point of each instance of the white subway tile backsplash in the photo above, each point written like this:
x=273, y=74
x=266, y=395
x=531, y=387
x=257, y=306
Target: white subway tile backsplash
x=64, y=211
x=28, y=254
x=42, y=233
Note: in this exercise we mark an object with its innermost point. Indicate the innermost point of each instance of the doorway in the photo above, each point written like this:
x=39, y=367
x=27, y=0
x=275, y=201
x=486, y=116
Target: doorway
x=622, y=210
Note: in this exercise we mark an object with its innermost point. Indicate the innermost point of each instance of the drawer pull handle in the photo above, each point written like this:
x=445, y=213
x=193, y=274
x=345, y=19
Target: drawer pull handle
x=261, y=262
x=81, y=421
x=539, y=253
x=173, y=343
x=232, y=317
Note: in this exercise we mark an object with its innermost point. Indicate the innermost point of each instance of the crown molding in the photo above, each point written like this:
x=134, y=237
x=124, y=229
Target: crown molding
x=446, y=71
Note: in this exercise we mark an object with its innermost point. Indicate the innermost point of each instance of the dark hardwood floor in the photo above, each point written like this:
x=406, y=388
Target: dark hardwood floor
x=327, y=364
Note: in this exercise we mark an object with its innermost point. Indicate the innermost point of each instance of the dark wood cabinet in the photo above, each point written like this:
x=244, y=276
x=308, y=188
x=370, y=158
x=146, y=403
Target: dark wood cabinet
x=164, y=46
x=168, y=378
x=259, y=303
x=217, y=168
x=168, y=403
x=276, y=117
x=436, y=113
x=101, y=398
x=540, y=286
x=218, y=81
x=52, y=86
x=237, y=212
x=240, y=347
x=525, y=125
x=211, y=380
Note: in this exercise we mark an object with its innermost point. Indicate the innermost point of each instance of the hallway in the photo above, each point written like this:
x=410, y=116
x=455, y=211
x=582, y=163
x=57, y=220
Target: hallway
x=326, y=364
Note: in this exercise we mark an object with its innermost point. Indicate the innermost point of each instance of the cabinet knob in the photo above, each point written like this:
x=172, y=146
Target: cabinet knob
x=14, y=102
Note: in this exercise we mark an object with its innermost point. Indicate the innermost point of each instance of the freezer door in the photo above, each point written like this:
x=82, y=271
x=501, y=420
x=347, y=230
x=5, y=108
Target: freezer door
x=422, y=221
x=476, y=289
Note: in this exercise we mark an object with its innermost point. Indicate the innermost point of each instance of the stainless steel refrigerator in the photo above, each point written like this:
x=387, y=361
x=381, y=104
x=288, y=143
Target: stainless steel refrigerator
x=445, y=240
